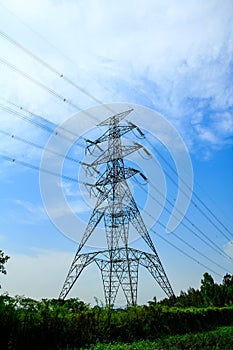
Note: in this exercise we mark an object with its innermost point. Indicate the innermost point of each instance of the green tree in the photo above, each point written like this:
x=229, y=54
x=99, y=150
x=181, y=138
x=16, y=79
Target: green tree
x=227, y=289
x=207, y=289
x=3, y=260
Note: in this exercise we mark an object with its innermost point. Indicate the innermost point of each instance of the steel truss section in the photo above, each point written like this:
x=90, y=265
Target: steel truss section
x=78, y=264
x=120, y=269
x=116, y=207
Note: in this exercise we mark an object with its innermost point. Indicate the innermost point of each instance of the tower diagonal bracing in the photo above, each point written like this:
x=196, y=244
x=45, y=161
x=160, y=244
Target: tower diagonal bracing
x=116, y=209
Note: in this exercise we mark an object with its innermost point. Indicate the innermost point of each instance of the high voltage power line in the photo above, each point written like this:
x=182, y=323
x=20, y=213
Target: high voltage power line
x=189, y=245
x=181, y=250
x=35, y=167
x=30, y=143
x=68, y=178
x=32, y=116
x=74, y=180
x=50, y=130
x=196, y=196
x=38, y=34
x=38, y=83
x=64, y=99
x=162, y=279
x=41, y=123
x=74, y=84
x=32, y=119
x=49, y=67
x=215, y=247
x=185, y=253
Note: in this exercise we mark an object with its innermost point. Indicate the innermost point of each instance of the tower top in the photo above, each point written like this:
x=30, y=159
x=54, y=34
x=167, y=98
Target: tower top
x=115, y=118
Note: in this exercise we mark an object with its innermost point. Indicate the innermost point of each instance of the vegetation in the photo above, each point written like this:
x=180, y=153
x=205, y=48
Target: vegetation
x=210, y=294
x=3, y=260
x=221, y=338
x=71, y=324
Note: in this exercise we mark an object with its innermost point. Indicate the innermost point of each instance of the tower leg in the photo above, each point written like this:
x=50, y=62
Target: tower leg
x=79, y=263
x=110, y=280
x=129, y=278
x=155, y=267
x=119, y=269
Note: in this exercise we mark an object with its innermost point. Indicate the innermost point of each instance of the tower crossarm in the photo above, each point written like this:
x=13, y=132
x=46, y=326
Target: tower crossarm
x=116, y=118
x=128, y=173
x=109, y=134
x=89, y=168
x=110, y=154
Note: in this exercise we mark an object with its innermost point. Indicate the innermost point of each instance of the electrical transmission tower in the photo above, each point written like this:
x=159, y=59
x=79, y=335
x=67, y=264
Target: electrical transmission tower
x=116, y=207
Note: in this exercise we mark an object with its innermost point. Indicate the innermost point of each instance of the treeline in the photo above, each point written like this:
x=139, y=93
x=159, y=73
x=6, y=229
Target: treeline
x=209, y=294
x=61, y=324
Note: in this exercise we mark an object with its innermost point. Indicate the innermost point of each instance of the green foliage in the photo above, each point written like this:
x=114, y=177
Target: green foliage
x=207, y=289
x=3, y=260
x=221, y=338
x=57, y=324
x=210, y=294
x=71, y=324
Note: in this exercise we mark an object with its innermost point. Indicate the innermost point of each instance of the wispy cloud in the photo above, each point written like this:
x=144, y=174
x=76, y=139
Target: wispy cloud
x=229, y=248
x=44, y=269
x=175, y=57
x=22, y=211
x=41, y=274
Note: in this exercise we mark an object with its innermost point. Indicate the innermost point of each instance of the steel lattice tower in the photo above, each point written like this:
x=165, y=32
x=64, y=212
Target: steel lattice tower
x=116, y=207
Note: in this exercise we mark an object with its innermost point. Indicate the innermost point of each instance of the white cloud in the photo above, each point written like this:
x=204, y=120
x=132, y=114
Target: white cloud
x=42, y=275
x=174, y=56
x=2, y=237
x=229, y=248
x=26, y=212
x=171, y=51
x=37, y=276
x=58, y=210
x=30, y=207
x=223, y=123
x=206, y=135
x=69, y=189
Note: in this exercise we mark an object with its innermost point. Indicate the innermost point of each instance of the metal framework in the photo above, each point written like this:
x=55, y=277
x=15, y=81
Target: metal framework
x=116, y=207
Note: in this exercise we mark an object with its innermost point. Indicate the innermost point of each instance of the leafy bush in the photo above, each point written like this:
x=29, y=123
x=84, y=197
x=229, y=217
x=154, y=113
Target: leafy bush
x=54, y=324
x=221, y=338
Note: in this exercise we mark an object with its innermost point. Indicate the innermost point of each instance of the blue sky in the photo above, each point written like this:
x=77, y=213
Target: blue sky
x=172, y=57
